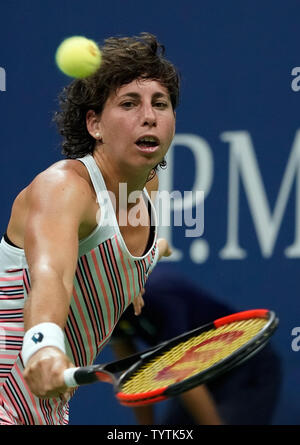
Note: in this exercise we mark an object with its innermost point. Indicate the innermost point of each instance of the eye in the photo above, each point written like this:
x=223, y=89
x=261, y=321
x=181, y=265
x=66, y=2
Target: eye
x=161, y=104
x=128, y=104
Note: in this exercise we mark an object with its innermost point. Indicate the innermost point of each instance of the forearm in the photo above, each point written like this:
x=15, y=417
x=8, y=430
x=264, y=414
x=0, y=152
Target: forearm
x=201, y=406
x=47, y=309
x=144, y=414
x=48, y=301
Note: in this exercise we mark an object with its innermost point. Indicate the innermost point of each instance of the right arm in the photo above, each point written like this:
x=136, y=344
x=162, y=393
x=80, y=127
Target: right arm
x=57, y=203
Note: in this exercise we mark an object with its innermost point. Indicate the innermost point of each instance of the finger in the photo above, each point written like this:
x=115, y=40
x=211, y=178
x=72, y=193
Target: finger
x=169, y=252
x=63, y=392
x=66, y=396
x=135, y=306
x=163, y=248
x=137, y=310
x=138, y=304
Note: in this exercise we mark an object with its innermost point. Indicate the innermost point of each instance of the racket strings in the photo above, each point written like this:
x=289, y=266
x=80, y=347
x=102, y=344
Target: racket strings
x=192, y=356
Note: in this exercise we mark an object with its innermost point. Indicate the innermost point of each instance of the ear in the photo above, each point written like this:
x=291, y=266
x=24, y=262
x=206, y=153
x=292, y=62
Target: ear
x=93, y=124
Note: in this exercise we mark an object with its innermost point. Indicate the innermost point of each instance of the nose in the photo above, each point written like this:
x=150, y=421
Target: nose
x=148, y=116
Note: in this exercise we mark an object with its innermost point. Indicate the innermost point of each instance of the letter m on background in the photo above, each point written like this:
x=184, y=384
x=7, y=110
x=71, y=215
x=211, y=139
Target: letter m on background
x=243, y=166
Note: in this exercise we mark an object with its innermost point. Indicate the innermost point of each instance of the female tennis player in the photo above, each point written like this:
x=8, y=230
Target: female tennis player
x=77, y=252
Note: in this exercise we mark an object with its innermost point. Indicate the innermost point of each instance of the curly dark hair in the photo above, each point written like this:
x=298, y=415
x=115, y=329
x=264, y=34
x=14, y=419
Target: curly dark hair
x=124, y=59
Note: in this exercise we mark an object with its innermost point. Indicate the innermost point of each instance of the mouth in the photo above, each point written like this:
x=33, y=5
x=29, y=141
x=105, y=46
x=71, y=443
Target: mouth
x=148, y=144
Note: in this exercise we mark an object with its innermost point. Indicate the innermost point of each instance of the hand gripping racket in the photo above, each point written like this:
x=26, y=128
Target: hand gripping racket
x=183, y=362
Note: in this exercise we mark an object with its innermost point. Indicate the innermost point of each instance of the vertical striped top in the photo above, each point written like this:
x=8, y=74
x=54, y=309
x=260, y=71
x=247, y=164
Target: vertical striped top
x=106, y=280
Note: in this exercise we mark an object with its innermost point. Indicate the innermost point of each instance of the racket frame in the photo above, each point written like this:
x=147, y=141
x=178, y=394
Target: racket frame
x=129, y=365
x=235, y=359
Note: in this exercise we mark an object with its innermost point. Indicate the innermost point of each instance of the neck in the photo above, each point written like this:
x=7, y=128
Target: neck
x=114, y=175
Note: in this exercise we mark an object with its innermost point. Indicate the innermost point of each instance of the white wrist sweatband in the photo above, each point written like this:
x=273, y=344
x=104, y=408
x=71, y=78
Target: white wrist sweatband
x=40, y=336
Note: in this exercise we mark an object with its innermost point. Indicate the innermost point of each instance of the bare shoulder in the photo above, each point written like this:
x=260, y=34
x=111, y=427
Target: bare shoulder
x=63, y=171
x=65, y=179
x=62, y=189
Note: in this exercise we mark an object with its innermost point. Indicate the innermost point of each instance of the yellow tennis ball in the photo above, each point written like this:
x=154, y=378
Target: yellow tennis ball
x=78, y=57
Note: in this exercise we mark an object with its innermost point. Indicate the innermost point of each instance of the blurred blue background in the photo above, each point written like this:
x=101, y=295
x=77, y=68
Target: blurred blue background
x=237, y=102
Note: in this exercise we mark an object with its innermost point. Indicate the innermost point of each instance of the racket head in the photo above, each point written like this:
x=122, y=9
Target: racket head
x=196, y=357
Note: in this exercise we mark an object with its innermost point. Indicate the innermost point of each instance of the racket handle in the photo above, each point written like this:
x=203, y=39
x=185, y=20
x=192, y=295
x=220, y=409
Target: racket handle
x=84, y=375
x=69, y=377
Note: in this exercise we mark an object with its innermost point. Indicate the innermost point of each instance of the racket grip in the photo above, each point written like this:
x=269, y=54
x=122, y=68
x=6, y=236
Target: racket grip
x=84, y=375
x=70, y=378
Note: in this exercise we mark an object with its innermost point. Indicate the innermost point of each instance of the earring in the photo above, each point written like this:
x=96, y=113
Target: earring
x=97, y=135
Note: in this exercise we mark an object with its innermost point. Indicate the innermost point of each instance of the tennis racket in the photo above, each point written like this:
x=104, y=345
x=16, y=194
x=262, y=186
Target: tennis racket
x=186, y=361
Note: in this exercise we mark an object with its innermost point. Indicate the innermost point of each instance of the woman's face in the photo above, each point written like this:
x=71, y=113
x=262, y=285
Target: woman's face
x=137, y=124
